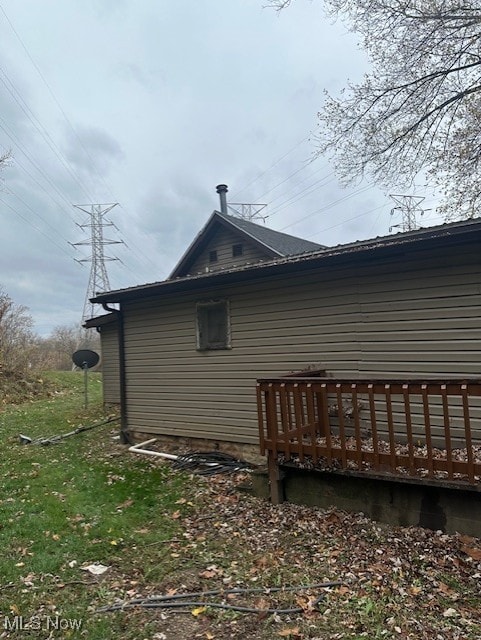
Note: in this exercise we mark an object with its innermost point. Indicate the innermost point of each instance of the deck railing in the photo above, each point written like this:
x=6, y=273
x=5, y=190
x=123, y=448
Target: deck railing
x=426, y=429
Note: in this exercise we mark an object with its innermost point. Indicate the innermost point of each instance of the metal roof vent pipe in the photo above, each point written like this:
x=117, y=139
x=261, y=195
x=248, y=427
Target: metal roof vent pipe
x=222, y=191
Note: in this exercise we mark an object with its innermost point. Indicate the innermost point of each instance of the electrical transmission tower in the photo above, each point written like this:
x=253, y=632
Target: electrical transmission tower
x=99, y=279
x=246, y=211
x=409, y=206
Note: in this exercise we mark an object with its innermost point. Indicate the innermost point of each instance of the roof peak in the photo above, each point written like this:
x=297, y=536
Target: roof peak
x=274, y=244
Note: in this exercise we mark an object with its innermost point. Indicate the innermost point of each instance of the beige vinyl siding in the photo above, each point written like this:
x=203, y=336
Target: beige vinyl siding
x=110, y=363
x=426, y=323
x=425, y=320
x=222, y=242
x=416, y=317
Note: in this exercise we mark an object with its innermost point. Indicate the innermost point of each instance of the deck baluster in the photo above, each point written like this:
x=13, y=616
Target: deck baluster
x=467, y=433
x=409, y=429
x=326, y=422
x=342, y=429
x=447, y=430
x=357, y=425
x=427, y=427
x=390, y=424
x=311, y=421
x=292, y=416
x=372, y=416
x=286, y=421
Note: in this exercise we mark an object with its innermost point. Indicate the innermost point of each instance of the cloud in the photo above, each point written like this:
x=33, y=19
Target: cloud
x=167, y=100
x=91, y=150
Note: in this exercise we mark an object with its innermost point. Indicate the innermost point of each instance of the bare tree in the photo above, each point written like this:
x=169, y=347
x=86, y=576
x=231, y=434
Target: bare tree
x=17, y=340
x=419, y=108
x=5, y=157
x=64, y=341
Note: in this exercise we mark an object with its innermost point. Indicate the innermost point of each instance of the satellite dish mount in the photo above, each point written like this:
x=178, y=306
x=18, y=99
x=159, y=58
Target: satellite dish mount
x=85, y=359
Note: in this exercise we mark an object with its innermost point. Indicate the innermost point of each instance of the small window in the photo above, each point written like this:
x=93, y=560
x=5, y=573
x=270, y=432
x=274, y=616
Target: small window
x=212, y=256
x=213, y=331
x=237, y=250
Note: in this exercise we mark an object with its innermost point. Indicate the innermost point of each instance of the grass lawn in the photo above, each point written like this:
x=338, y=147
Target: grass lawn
x=88, y=501
x=75, y=503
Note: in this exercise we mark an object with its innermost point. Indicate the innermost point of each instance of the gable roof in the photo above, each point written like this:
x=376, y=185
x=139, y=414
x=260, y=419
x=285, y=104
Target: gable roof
x=273, y=244
x=456, y=232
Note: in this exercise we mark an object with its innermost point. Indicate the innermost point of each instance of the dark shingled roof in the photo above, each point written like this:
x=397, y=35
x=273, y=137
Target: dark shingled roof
x=282, y=243
x=273, y=243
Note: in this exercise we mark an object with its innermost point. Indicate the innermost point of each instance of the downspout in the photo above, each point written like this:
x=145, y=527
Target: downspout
x=124, y=434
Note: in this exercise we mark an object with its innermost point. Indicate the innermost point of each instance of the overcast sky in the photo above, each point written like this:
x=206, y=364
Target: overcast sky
x=151, y=104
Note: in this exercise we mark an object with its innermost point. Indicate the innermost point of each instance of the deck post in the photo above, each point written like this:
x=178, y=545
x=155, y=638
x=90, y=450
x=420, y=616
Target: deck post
x=276, y=485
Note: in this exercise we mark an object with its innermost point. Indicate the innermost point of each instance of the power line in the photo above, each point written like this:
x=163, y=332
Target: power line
x=21, y=148
x=328, y=206
x=142, y=254
x=41, y=130
x=374, y=225
x=299, y=182
x=339, y=224
x=285, y=180
x=28, y=157
x=29, y=222
x=35, y=213
x=303, y=193
x=271, y=167
x=23, y=105
x=54, y=98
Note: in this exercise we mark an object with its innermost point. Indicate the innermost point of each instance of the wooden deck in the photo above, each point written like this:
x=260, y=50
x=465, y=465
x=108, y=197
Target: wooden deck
x=415, y=428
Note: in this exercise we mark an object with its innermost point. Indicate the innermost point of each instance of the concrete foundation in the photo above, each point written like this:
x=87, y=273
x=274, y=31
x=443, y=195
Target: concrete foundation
x=177, y=444
x=403, y=502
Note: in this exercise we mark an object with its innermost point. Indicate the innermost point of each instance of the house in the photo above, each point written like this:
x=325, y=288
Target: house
x=107, y=326
x=245, y=302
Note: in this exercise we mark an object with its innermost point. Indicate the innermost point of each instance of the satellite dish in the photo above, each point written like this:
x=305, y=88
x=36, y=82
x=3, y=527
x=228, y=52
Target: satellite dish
x=85, y=358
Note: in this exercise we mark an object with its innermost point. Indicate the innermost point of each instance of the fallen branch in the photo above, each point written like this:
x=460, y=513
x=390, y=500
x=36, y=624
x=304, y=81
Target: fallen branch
x=182, y=600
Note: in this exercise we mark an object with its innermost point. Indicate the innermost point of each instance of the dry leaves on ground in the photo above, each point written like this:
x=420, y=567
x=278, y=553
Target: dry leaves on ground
x=408, y=583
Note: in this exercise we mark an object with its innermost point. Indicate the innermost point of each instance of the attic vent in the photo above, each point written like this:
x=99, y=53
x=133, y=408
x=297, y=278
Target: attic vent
x=213, y=256
x=237, y=250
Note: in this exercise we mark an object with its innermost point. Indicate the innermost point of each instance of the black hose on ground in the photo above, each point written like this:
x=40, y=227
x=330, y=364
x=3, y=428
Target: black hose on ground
x=210, y=462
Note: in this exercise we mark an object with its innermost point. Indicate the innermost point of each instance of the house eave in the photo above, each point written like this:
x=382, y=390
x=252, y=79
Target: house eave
x=100, y=321
x=348, y=254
